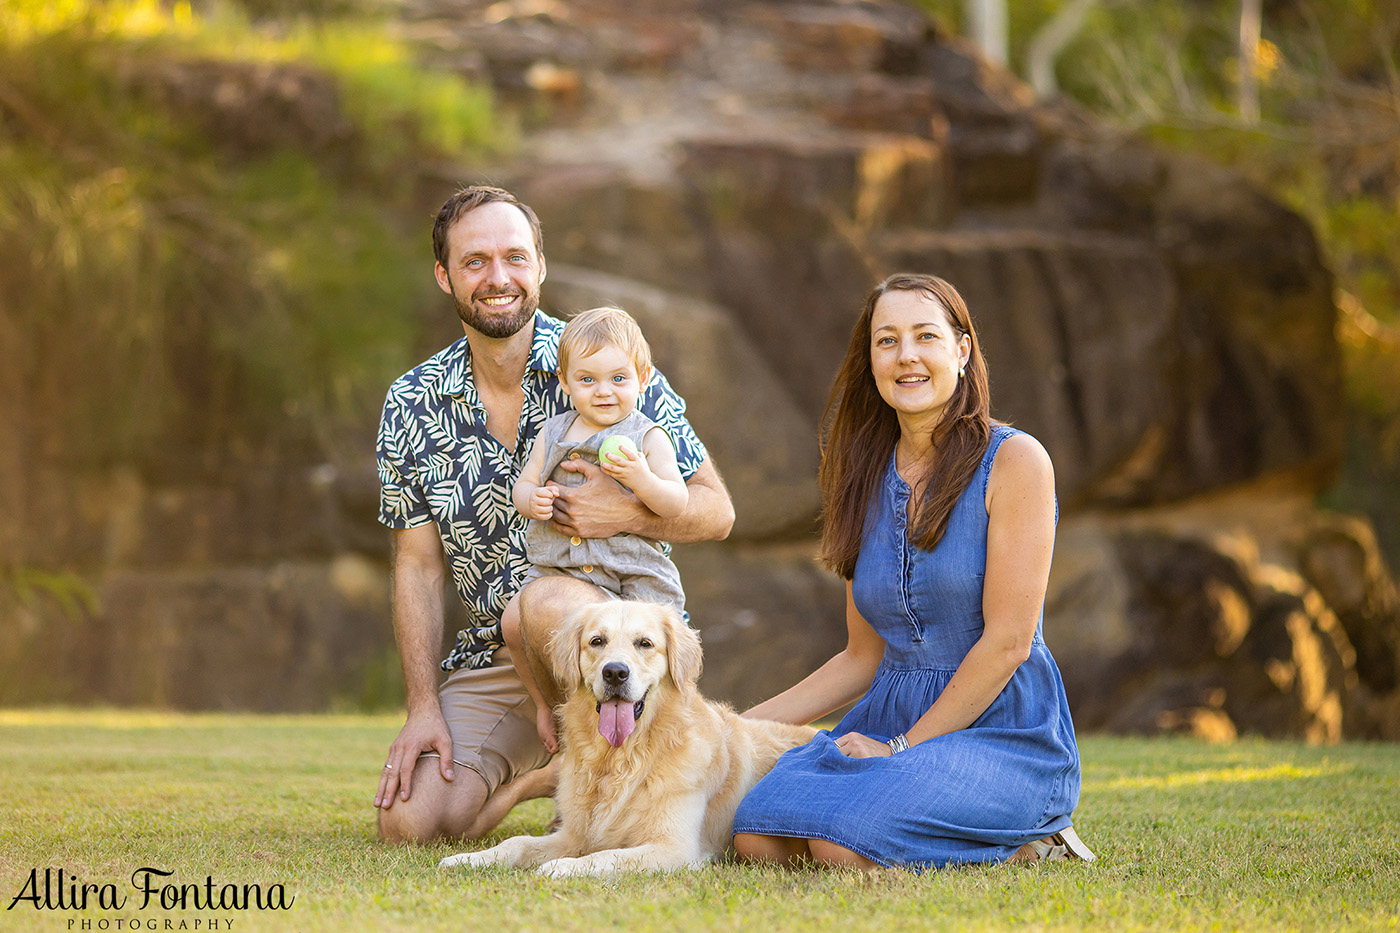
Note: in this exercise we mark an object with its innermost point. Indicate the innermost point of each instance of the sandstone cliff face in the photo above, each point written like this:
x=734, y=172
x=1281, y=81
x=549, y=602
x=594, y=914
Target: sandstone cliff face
x=738, y=176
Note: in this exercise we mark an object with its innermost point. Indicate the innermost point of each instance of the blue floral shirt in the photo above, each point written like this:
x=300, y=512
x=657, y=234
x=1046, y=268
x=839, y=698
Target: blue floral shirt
x=437, y=462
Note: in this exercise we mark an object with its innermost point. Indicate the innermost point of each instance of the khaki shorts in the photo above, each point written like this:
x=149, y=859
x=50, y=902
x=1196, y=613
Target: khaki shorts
x=492, y=721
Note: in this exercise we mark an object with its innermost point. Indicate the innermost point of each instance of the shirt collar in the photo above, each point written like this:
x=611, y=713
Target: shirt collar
x=455, y=376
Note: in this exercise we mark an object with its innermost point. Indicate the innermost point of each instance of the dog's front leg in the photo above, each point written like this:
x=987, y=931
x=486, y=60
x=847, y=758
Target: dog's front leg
x=517, y=851
x=650, y=857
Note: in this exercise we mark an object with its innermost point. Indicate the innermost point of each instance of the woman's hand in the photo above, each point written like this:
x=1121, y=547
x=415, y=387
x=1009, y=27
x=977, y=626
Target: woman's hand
x=855, y=745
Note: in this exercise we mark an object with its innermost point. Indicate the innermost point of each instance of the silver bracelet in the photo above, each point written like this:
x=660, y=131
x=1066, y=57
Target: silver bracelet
x=898, y=744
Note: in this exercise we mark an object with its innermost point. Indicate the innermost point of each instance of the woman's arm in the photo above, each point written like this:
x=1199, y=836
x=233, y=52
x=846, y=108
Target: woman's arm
x=1020, y=542
x=837, y=682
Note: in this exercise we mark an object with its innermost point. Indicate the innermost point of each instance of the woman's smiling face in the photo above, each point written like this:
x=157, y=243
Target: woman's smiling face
x=916, y=353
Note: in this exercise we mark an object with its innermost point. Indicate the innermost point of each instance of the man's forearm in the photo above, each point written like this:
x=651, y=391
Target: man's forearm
x=418, y=625
x=708, y=515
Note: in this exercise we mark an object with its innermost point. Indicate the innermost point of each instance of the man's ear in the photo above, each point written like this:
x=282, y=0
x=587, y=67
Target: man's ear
x=542, y=270
x=444, y=282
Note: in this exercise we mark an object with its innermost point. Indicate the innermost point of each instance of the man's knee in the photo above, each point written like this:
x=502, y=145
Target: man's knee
x=436, y=808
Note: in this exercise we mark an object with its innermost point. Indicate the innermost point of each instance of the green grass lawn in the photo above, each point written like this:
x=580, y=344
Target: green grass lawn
x=1251, y=836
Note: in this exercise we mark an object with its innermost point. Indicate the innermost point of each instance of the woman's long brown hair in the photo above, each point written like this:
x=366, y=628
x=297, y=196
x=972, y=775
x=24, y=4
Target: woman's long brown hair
x=863, y=430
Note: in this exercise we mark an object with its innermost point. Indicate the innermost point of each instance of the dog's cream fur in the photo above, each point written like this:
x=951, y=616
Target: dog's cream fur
x=665, y=799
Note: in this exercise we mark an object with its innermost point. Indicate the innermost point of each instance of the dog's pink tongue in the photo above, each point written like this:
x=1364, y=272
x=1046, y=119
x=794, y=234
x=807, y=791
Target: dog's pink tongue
x=616, y=721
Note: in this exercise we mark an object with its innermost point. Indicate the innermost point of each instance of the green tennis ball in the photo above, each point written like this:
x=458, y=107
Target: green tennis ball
x=616, y=444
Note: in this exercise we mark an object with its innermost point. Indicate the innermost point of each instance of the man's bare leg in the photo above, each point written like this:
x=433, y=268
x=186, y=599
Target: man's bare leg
x=544, y=604
x=458, y=809
x=528, y=786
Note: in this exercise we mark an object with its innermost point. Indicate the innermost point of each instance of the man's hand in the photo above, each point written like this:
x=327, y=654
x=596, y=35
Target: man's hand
x=599, y=508
x=855, y=745
x=423, y=732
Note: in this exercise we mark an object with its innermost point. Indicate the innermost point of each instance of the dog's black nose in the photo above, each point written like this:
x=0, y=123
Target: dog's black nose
x=615, y=672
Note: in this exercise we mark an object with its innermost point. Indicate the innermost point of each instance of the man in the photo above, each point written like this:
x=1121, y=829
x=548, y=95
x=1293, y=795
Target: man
x=452, y=440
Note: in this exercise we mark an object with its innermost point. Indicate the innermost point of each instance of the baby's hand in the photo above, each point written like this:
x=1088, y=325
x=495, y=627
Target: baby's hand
x=544, y=725
x=542, y=503
x=625, y=463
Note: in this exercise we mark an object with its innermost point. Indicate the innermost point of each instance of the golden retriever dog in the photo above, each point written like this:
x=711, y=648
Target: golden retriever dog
x=651, y=772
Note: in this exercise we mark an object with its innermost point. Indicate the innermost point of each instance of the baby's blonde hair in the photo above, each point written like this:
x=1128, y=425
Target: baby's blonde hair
x=596, y=328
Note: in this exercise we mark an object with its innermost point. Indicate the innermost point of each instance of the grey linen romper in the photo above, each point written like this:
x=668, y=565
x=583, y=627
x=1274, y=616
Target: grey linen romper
x=628, y=566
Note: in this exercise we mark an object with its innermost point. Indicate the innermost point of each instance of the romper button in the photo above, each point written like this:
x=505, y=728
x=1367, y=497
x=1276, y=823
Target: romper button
x=587, y=568
x=575, y=540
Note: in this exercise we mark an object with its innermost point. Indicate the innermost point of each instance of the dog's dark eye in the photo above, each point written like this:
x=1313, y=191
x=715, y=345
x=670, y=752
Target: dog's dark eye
x=597, y=641
x=644, y=643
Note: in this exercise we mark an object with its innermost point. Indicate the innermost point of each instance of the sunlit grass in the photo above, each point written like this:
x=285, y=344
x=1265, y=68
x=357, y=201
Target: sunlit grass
x=1253, y=836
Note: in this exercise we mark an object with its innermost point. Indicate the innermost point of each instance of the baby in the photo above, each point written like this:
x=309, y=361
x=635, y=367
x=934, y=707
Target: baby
x=604, y=363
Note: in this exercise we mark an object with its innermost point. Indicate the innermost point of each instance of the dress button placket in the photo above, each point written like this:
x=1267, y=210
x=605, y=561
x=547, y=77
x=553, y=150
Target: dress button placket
x=906, y=565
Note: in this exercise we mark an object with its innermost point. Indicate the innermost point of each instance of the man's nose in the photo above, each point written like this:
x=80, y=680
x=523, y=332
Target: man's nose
x=496, y=273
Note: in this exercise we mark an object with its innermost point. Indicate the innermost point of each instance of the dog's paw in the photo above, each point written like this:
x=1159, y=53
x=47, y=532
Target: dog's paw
x=467, y=860
x=572, y=868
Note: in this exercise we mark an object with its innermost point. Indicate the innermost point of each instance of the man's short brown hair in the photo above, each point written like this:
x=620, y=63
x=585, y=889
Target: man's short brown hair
x=468, y=200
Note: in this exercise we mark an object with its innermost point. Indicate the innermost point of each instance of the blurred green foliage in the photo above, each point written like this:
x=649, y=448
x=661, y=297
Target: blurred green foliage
x=174, y=289
x=33, y=602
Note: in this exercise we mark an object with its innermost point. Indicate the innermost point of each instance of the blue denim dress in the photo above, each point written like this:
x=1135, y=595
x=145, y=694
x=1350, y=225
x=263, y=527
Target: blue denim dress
x=975, y=795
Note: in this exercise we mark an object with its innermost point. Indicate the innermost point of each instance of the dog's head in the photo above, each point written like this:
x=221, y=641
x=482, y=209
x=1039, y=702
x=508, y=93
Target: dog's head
x=619, y=652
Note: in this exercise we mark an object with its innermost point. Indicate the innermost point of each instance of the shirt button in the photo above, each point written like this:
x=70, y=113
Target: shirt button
x=587, y=568
x=575, y=540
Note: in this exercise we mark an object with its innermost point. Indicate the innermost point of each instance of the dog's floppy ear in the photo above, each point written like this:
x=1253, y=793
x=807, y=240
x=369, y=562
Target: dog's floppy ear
x=684, y=657
x=563, y=649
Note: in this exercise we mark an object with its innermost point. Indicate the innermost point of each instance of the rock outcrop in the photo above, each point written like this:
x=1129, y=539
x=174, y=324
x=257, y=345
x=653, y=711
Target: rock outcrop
x=738, y=176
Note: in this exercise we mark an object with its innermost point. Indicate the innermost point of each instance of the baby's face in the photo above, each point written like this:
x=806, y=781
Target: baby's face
x=603, y=386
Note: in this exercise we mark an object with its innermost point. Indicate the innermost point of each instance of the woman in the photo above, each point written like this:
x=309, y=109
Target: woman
x=943, y=522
